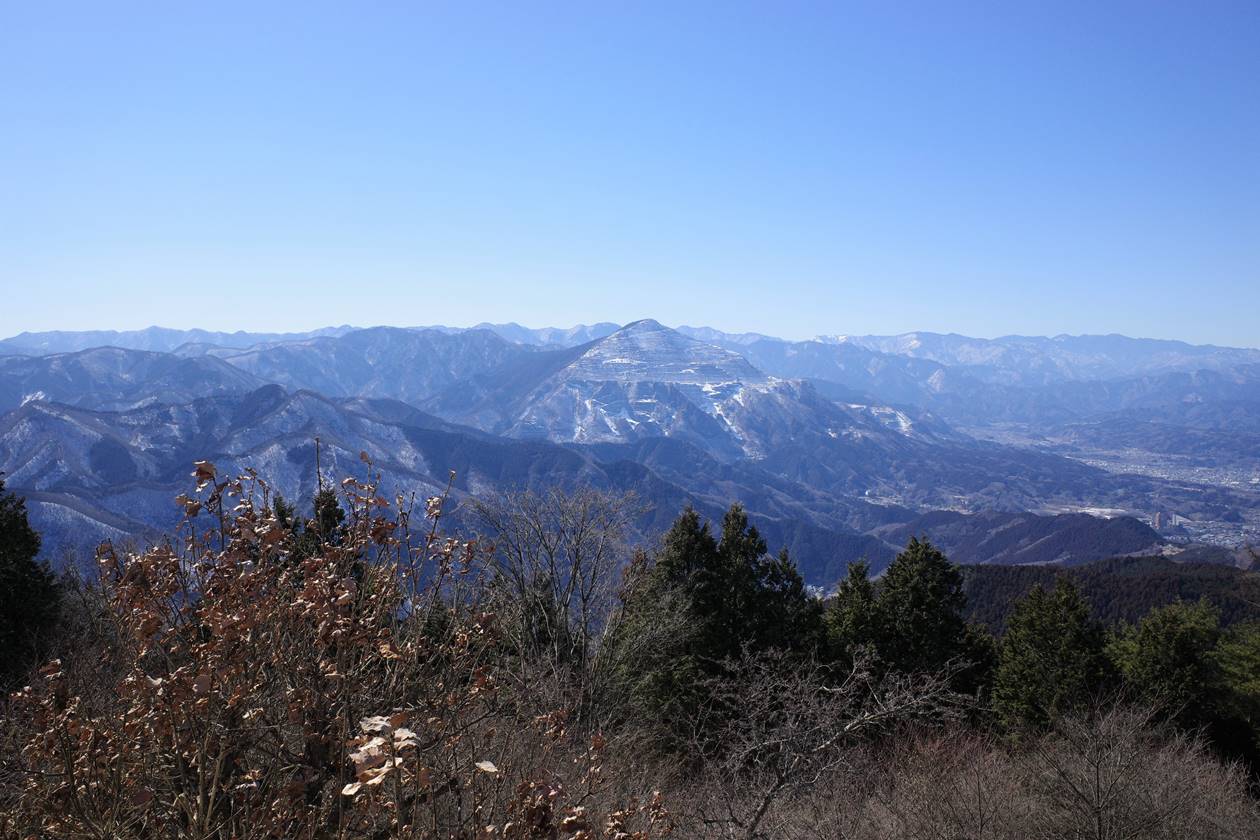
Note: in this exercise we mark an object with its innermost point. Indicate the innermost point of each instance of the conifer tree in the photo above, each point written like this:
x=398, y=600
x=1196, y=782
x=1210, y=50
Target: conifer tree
x=29, y=593
x=851, y=619
x=1168, y=660
x=735, y=598
x=920, y=611
x=1051, y=659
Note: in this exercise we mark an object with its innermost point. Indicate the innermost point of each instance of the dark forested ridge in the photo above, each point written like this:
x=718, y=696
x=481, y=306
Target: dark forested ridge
x=1027, y=538
x=1121, y=589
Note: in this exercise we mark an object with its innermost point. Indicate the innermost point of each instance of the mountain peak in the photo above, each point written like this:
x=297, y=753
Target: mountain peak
x=644, y=325
x=648, y=351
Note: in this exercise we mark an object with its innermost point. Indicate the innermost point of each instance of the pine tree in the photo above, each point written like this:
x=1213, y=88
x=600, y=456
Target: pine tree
x=1051, y=659
x=920, y=611
x=29, y=593
x=329, y=515
x=733, y=597
x=323, y=528
x=791, y=618
x=851, y=619
x=1237, y=660
x=1168, y=660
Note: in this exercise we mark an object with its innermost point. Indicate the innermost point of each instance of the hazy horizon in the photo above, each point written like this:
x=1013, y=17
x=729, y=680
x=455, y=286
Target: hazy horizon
x=595, y=322
x=856, y=169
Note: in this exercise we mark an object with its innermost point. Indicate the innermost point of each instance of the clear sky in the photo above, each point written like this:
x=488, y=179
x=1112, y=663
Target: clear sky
x=784, y=167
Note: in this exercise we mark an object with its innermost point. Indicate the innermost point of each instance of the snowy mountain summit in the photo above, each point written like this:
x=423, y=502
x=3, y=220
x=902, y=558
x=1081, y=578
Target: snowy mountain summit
x=647, y=351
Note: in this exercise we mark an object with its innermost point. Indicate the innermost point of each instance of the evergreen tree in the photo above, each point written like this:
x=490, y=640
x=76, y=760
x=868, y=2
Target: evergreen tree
x=329, y=515
x=324, y=527
x=29, y=593
x=689, y=562
x=1168, y=659
x=791, y=618
x=919, y=611
x=737, y=594
x=1237, y=658
x=851, y=620
x=286, y=513
x=767, y=604
x=734, y=597
x=1051, y=659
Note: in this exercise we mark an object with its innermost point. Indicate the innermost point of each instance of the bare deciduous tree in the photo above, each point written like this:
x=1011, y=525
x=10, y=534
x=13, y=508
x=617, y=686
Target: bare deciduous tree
x=559, y=558
x=786, y=727
x=951, y=784
x=1115, y=775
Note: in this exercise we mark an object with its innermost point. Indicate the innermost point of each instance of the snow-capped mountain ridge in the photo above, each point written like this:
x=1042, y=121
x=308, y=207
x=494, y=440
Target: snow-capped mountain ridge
x=647, y=351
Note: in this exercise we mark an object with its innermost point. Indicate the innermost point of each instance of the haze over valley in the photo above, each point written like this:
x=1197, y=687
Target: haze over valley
x=841, y=447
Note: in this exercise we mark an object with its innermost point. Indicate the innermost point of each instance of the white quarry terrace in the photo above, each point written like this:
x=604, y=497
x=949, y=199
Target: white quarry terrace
x=648, y=350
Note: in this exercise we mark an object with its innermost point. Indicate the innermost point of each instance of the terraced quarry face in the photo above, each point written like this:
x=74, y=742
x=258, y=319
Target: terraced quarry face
x=648, y=351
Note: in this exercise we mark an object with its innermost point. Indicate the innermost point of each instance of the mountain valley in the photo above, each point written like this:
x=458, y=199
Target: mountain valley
x=841, y=448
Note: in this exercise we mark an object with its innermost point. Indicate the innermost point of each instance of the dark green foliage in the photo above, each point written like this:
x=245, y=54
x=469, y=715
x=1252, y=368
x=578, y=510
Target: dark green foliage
x=328, y=515
x=309, y=535
x=1122, y=589
x=1051, y=660
x=920, y=610
x=737, y=594
x=1200, y=677
x=912, y=620
x=1167, y=660
x=725, y=596
x=1237, y=658
x=285, y=512
x=29, y=594
x=851, y=620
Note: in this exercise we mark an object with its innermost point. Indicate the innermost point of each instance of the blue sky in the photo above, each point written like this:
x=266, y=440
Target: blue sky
x=791, y=168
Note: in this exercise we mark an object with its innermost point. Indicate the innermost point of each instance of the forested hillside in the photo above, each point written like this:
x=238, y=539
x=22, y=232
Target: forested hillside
x=1118, y=590
x=355, y=670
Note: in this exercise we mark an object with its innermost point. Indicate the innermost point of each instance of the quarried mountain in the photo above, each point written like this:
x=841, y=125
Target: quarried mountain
x=646, y=351
x=642, y=381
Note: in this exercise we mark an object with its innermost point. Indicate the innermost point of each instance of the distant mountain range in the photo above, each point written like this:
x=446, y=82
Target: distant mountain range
x=842, y=447
x=158, y=339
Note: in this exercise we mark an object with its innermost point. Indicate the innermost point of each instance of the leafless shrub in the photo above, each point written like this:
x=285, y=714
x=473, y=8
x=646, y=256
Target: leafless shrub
x=1109, y=776
x=787, y=728
x=1115, y=775
x=254, y=692
x=952, y=784
x=558, y=562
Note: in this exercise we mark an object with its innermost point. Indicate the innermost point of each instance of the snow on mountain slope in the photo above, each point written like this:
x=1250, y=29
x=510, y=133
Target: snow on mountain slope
x=1038, y=360
x=643, y=381
x=94, y=475
x=647, y=351
x=648, y=381
x=114, y=378
x=409, y=365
